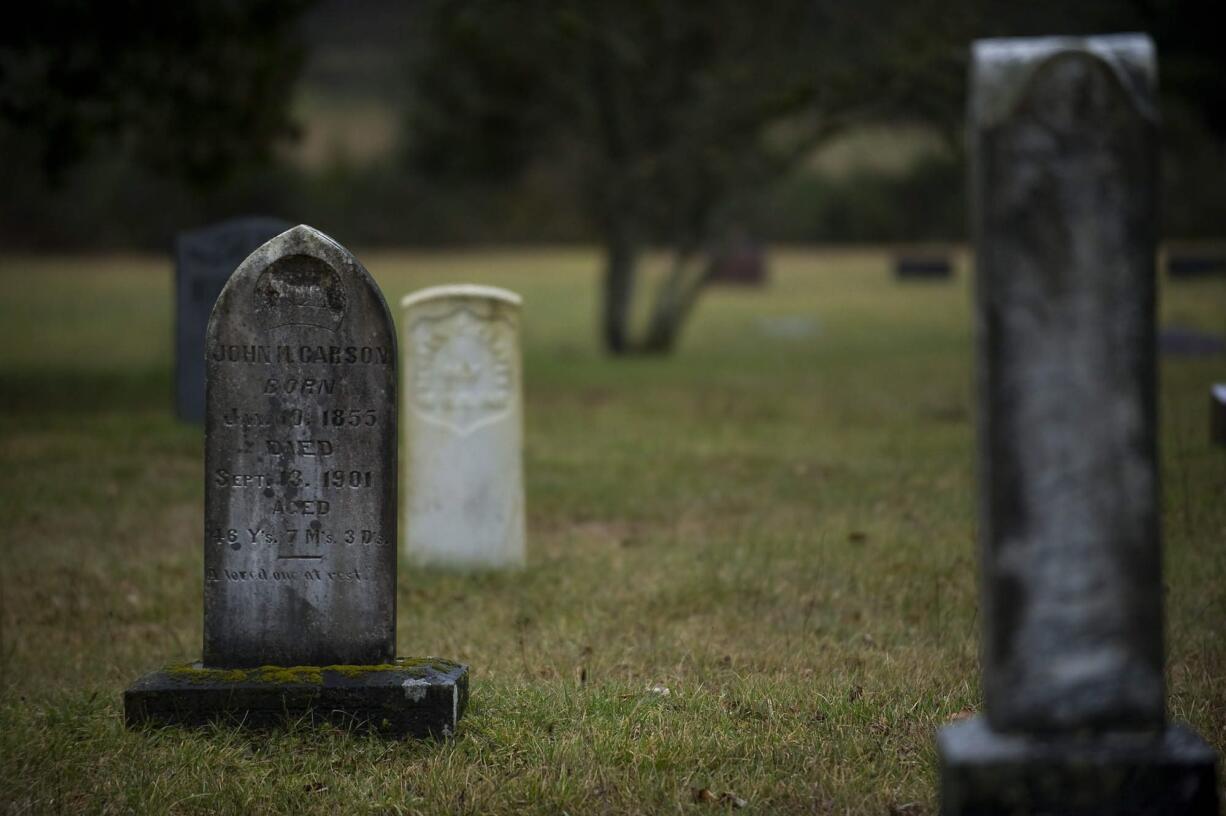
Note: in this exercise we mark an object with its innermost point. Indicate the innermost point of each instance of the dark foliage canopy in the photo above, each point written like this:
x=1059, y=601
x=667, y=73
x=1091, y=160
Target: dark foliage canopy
x=196, y=89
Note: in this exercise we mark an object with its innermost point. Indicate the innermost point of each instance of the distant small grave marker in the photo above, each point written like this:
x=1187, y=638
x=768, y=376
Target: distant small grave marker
x=1063, y=131
x=300, y=509
x=742, y=262
x=204, y=259
x=1185, y=264
x=1184, y=341
x=463, y=428
x=922, y=268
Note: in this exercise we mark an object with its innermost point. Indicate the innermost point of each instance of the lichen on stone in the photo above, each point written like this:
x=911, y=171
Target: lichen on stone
x=308, y=675
x=312, y=675
x=197, y=674
x=359, y=671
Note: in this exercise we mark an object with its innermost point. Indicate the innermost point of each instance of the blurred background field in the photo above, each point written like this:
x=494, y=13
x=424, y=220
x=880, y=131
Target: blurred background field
x=775, y=524
x=169, y=118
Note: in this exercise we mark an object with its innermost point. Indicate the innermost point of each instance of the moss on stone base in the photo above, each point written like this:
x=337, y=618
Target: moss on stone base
x=304, y=675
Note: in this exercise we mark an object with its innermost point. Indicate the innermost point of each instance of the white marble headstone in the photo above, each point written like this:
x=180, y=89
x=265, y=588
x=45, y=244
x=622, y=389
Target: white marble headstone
x=463, y=500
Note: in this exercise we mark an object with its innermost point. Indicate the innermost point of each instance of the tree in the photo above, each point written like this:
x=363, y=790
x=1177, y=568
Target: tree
x=196, y=89
x=670, y=114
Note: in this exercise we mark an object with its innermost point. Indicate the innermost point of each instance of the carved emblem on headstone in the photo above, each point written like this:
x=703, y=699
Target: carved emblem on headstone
x=300, y=291
x=464, y=377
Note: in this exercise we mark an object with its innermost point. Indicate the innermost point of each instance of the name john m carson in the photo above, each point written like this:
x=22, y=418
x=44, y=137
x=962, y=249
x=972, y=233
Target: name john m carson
x=335, y=355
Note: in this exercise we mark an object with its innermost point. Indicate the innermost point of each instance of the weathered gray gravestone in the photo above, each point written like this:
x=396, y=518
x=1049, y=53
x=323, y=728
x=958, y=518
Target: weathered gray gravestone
x=204, y=259
x=300, y=509
x=1063, y=134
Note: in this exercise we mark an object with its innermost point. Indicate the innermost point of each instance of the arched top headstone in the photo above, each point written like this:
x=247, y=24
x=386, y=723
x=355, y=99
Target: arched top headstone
x=1064, y=202
x=462, y=344
x=472, y=291
x=463, y=405
x=300, y=459
x=303, y=277
x=1004, y=68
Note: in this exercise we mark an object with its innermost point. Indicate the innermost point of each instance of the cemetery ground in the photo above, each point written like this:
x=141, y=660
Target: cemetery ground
x=751, y=581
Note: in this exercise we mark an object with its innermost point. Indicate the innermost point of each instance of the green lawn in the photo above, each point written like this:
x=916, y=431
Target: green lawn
x=776, y=523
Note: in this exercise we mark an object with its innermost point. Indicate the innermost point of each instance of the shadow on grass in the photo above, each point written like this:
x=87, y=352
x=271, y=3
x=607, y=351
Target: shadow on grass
x=76, y=391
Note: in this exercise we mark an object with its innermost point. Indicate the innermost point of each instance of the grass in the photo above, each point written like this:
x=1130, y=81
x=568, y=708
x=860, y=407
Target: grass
x=776, y=524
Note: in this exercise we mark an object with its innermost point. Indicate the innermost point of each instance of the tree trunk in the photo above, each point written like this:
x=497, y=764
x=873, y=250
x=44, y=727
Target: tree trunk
x=674, y=298
x=621, y=260
x=674, y=302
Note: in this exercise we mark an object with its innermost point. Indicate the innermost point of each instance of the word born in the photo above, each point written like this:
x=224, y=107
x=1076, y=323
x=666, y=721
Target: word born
x=335, y=355
x=293, y=385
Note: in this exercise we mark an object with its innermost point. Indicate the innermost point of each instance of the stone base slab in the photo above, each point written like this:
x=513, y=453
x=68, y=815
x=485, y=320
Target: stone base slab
x=408, y=698
x=984, y=772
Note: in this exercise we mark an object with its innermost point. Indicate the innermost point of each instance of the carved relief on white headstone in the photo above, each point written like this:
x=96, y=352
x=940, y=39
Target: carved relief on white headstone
x=463, y=501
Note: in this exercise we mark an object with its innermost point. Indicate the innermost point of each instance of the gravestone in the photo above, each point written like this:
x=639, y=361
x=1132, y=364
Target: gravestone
x=740, y=262
x=1185, y=341
x=1063, y=133
x=463, y=428
x=204, y=259
x=300, y=509
x=1217, y=414
x=923, y=268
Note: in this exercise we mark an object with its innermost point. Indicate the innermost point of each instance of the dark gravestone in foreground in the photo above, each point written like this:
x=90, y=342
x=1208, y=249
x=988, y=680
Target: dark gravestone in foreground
x=300, y=509
x=923, y=267
x=204, y=259
x=1064, y=138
